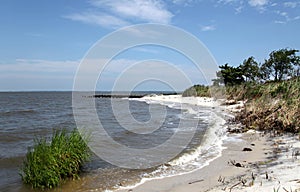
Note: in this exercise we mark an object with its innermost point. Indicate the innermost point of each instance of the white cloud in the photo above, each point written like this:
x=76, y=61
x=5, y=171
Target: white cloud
x=98, y=19
x=282, y=13
x=208, y=28
x=227, y=1
x=280, y=22
x=146, y=50
x=286, y=17
x=145, y=10
x=237, y=4
x=258, y=3
x=274, y=4
x=183, y=2
x=239, y=9
x=39, y=66
x=297, y=18
x=291, y=4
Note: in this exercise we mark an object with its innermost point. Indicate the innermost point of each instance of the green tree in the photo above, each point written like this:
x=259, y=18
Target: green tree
x=250, y=69
x=229, y=75
x=281, y=64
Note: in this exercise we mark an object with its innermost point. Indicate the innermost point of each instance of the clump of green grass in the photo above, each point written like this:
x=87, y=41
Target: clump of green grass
x=48, y=163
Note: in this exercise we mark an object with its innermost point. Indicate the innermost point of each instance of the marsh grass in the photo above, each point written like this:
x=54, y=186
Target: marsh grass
x=48, y=163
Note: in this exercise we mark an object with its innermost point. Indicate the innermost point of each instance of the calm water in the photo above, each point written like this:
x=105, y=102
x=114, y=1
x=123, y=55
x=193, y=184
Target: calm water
x=27, y=115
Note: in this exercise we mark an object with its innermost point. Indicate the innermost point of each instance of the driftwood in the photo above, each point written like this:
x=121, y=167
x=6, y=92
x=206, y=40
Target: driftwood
x=200, y=180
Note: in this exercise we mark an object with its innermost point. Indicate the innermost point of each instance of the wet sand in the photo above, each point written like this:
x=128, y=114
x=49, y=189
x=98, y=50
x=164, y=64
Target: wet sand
x=272, y=164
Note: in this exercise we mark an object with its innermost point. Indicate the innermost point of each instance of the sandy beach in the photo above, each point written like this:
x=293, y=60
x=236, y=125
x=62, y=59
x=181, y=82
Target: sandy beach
x=251, y=161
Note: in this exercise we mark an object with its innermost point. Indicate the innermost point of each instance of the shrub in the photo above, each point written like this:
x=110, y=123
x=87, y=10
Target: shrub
x=47, y=164
x=197, y=90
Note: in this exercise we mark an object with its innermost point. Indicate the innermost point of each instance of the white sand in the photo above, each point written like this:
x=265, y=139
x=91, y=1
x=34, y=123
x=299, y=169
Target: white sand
x=201, y=101
x=282, y=168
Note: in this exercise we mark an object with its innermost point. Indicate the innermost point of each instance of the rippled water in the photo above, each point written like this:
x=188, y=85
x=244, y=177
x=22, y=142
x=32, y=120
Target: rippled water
x=27, y=115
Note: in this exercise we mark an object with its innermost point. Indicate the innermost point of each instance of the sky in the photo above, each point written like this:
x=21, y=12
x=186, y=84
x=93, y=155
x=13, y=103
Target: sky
x=43, y=43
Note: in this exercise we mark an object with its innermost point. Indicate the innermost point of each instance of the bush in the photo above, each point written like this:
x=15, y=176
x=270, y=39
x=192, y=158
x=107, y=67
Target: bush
x=197, y=91
x=47, y=164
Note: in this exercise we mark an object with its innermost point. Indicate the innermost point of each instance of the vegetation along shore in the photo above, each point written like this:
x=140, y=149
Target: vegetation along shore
x=271, y=91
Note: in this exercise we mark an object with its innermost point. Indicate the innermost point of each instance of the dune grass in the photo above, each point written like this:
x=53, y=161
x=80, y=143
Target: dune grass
x=48, y=163
x=270, y=106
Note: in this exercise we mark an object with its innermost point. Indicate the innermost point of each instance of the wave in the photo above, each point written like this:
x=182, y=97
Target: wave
x=18, y=112
x=207, y=150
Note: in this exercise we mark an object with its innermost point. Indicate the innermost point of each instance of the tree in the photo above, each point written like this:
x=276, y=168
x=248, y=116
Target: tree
x=250, y=69
x=229, y=75
x=265, y=72
x=281, y=64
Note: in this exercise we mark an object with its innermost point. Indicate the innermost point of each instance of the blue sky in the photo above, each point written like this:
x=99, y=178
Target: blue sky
x=43, y=42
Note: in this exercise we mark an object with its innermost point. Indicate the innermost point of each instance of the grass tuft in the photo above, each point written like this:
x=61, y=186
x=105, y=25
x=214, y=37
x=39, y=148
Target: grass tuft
x=48, y=163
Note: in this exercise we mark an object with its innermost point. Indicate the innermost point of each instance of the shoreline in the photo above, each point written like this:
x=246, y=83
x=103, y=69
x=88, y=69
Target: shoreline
x=235, y=170
x=218, y=172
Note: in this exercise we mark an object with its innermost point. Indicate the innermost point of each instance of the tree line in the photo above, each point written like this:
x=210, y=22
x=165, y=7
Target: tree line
x=282, y=64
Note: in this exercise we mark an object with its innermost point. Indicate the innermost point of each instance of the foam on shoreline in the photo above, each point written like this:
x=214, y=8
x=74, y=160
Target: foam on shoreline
x=212, y=144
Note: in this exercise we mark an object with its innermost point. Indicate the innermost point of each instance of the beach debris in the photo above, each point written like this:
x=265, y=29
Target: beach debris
x=244, y=181
x=252, y=176
x=221, y=179
x=287, y=190
x=229, y=102
x=200, y=180
x=234, y=163
x=247, y=149
x=234, y=186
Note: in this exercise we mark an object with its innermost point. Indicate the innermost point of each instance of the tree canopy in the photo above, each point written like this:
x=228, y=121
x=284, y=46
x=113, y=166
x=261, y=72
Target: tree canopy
x=250, y=69
x=229, y=75
x=282, y=64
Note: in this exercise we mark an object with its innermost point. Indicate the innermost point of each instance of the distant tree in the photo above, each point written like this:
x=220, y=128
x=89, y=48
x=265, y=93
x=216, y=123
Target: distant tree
x=250, y=69
x=229, y=75
x=281, y=64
